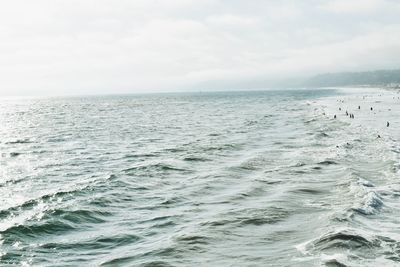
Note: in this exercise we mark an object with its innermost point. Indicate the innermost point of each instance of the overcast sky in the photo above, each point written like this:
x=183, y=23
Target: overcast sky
x=120, y=46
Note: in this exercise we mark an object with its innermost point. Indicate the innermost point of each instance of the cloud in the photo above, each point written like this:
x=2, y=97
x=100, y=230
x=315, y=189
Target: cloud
x=103, y=46
x=231, y=20
x=358, y=6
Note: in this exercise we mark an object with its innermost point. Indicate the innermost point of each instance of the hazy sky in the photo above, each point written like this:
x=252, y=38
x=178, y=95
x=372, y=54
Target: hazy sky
x=120, y=46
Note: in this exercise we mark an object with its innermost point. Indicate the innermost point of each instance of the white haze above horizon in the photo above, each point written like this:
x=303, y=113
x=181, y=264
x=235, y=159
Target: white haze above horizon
x=53, y=47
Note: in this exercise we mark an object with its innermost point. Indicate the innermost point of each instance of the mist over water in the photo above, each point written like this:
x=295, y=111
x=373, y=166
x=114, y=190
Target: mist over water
x=210, y=179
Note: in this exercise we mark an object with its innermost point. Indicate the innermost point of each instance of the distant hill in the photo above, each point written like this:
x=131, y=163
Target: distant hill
x=379, y=77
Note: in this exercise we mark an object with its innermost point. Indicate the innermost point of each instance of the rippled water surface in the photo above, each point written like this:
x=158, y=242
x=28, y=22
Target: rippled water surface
x=210, y=179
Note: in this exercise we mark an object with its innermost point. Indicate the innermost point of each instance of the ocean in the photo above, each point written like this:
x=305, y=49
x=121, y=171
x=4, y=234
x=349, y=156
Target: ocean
x=263, y=178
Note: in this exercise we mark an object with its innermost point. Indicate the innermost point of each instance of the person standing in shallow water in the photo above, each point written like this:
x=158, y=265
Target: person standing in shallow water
x=387, y=124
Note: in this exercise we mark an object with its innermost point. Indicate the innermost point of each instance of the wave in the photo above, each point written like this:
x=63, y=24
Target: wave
x=311, y=191
x=18, y=141
x=327, y=162
x=192, y=240
x=100, y=242
x=352, y=247
x=255, y=163
x=28, y=204
x=347, y=239
x=240, y=218
x=195, y=159
x=35, y=229
x=334, y=263
x=15, y=154
x=126, y=260
x=155, y=167
x=155, y=264
x=54, y=222
x=369, y=200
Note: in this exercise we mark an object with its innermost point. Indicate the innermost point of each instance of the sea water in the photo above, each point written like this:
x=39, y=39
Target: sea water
x=264, y=178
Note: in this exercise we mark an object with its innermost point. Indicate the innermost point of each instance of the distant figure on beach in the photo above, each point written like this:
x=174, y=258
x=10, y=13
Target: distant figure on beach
x=334, y=116
x=340, y=108
x=379, y=136
x=387, y=124
x=359, y=107
x=371, y=108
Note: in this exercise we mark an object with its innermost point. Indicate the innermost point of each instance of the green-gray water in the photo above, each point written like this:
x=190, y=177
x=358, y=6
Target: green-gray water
x=208, y=179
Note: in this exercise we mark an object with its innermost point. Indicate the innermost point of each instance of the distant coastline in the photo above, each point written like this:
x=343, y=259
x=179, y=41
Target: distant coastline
x=389, y=79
